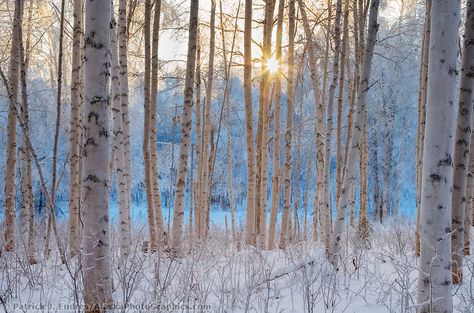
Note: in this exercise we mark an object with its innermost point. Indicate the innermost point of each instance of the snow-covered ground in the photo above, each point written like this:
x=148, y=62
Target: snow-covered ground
x=375, y=277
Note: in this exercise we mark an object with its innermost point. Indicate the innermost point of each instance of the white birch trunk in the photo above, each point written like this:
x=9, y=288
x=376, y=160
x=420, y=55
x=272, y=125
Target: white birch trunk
x=462, y=146
x=329, y=125
x=435, y=281
x=158, y=214
x=251, y=177
x=289, y=125
x=204, y=194
x=150, y=200
x=27, y=213
x=119, y=155
x=422, y=117
x=276, y=179
x=74, y=135
x=96, y=238
x=123, y=62
x=266, y=92
x=14, y=76
x=178, y=214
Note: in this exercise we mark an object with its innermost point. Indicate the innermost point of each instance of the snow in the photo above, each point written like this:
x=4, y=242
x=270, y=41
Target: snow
x=377, y=277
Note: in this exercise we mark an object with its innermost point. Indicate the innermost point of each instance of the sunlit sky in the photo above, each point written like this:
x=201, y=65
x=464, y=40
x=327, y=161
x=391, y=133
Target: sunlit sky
x=172, y=48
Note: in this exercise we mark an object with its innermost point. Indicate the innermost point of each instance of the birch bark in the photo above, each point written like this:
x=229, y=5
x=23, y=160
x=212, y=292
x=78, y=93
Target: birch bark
x=462, y=146
x=435, y=281
x=96, y=238
x=178, y=214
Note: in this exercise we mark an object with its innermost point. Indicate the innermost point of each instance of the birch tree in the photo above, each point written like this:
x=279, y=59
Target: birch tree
x=27, y=213
x=57, y=125
x=329, y=126
x=150, y=200
x=469, y=203
x=14, y=76
x=462, y=145
x=422, y=117
x=96, y=238
x=118, y=147
x=342, y=71
x=289, y=125
x=204, y=192
x=178, y=215
x=75, y=133
x=263, y=126
x=123, y=77
x=276, y=184
x=435, y=281
x=251, y=175
x=354, y=149
x=199, y=133
x=161, y=234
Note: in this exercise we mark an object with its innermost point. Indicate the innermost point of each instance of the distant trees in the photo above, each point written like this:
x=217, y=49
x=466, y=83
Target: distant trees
x=359, y=119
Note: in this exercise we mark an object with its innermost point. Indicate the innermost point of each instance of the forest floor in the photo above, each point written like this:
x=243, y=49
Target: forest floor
x=375, y=277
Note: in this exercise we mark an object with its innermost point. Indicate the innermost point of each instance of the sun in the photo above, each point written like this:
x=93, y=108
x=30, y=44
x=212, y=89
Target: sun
x=272, y=65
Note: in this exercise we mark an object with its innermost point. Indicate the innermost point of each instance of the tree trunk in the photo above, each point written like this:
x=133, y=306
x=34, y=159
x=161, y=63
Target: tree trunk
x=96, y=239
x=469, y=203
x=204, y=193
x=14, y=76
x=54, y=180
x=422, y=117
x=340, y=96
x=251, y=175
x=178, y=214
x=276, y=185
x=289, y=125
x=377, y=202
x=158, y=214
x=266, y=92
x=27, y=217
x=226, y=102
x=118, y=147
x=199, y=133
x=329, y=126
x=462, y=146
x=150, y=200
x=435, y=281
x=363, y=222
x=354, y=148
x=74, y=135
x=387, y=169
x=123, y=63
